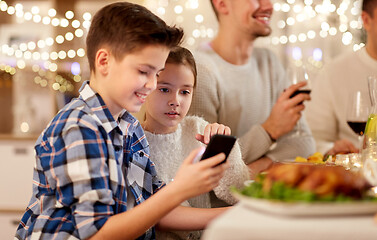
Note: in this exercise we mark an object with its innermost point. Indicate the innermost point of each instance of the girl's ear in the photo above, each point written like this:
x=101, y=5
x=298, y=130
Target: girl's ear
x=102, y=61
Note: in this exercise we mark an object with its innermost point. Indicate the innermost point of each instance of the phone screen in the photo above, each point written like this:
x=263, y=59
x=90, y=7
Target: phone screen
x=219, y=144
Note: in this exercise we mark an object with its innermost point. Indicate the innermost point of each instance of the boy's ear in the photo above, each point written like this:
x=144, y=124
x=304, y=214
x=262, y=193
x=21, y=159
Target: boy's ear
x=102, y=61
x=366, y=20
x=221, y=6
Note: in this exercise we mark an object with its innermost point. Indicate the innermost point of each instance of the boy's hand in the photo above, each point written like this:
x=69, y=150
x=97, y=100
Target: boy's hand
x=193, y=179
x=212, y=129
x=286, y=112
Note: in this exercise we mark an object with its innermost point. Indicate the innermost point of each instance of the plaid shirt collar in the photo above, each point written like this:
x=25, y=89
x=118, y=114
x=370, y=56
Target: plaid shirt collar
x=102, y=113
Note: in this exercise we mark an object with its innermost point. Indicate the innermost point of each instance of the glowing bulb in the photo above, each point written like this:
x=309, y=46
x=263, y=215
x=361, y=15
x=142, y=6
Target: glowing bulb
x=19, y=7
x=64, y=22
x=35, y=10
x=37, y=18
x=290, y=21
x=80, y=52
x=21, y=64
x=86, y=24
x=3, y=6
x=277, y=7
x=53, y=67
x=297, y=53
x=24, y=127
x=46, y=20
x=41, y=44
x=11, y=10
x=52, y=12
x=75, y=68
x=283, y=39
x=71, y=53
x=178, y=9
x=311, y=34
x=161, y=11
x=302, y=37
x=87, y=16
x=347, y=38
x=196, y=33
x=317, y=54
x=62, y=54
x=59, y=39
x=49, y=41
x=28, y=16
x=18, y=53
x=55, y=22
x=23, y=47
x=292, y=38
x=54, y=55
x=285, y=7
x=79, y=33
x=69, y=14
x=31, y=45
x=199, y=18
x=75, y=23
x=45, y=56
x=191, y=41
x=27, y=55
x=55, y=86
x=69, y=36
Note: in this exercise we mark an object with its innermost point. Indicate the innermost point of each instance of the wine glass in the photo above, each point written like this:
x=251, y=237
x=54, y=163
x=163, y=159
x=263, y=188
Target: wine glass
x=298, y=74
x=358, y=109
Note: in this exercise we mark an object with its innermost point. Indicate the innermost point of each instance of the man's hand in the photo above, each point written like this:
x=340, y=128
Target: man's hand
x=212, y=129
x=286, y=112
x=342, y=146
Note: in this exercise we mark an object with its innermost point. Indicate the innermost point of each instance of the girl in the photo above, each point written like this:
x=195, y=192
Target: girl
x=172, y=135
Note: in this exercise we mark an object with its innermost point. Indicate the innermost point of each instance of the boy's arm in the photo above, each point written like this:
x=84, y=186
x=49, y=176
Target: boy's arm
x=191, y=180
x=188, y=218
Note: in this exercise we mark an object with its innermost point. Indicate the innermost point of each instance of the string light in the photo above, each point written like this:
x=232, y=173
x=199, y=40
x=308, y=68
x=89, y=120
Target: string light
x=343, y=22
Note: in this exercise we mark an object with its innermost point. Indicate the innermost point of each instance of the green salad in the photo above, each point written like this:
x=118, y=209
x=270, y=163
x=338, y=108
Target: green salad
x=282, y=192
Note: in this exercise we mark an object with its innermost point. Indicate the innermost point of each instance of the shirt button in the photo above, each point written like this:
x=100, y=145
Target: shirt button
x=141, y=154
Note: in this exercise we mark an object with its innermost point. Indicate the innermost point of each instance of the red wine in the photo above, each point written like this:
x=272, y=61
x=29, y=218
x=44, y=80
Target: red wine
x=307, y=91
x=357, y=127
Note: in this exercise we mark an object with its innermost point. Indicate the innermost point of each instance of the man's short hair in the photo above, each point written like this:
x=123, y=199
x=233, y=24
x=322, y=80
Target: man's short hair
x=181, y=55
x=124, y=27
x=369, y=6
x=214, y=10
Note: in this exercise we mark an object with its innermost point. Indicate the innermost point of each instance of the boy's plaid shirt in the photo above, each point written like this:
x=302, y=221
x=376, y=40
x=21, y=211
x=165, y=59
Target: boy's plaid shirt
x=85, y=161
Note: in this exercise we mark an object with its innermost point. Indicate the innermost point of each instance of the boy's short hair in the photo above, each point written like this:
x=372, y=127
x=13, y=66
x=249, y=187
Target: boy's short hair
x=369, y=6
x=124, y=27
x=181, y=55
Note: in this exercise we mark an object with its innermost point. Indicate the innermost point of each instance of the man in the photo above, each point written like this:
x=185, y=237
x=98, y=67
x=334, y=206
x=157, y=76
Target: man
x=327, y=111
x=245, y=87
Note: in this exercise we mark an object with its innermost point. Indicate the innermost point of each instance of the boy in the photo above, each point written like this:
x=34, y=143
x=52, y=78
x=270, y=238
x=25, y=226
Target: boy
x=93, y=177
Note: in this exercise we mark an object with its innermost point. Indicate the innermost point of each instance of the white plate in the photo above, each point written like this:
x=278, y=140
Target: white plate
x=307, y=209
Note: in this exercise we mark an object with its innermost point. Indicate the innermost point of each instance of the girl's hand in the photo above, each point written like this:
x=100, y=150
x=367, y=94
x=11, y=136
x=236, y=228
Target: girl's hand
x=212, y=129
x=195, y=178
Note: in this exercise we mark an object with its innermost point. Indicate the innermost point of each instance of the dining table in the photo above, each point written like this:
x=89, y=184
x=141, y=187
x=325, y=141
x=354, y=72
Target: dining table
x=243, y=221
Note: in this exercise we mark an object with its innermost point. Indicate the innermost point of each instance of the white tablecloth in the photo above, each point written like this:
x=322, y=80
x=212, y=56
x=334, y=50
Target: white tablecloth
x=242, y=222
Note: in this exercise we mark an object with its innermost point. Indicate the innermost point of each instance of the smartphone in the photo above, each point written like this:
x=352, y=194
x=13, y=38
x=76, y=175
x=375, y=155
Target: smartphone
x=219, y=144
